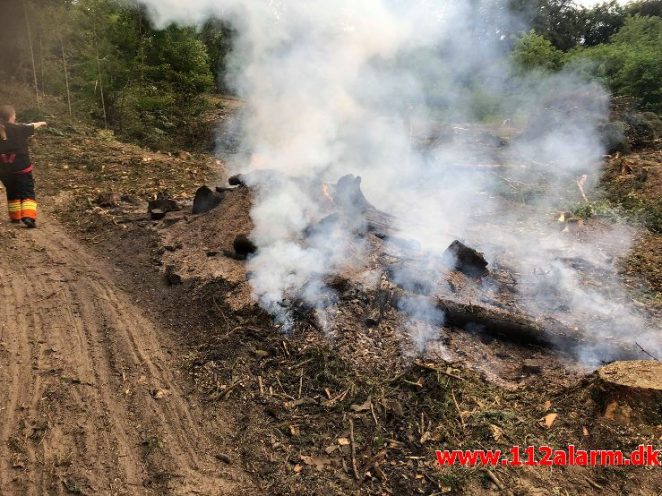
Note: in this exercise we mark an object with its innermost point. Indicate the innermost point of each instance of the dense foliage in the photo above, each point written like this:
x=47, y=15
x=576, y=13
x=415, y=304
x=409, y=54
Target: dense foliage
x=110, y=62
x=619, y=45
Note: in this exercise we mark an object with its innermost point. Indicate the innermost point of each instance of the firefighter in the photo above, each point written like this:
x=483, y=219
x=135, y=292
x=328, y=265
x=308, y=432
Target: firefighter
x=16, y=167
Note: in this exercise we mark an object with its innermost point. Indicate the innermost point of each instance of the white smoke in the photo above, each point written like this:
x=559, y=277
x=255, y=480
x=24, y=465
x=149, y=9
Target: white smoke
x=347, y=87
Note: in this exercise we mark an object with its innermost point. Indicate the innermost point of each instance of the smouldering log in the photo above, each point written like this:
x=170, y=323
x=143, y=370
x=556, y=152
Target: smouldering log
x=520, y=329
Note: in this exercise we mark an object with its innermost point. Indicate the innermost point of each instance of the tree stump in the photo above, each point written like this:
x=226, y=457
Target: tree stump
x=630, y=391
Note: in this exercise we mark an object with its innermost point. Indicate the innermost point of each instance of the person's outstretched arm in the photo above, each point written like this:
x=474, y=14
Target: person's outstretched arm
x=37, y=125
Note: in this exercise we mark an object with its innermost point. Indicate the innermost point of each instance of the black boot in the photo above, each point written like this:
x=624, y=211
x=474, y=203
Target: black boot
x=31, y=223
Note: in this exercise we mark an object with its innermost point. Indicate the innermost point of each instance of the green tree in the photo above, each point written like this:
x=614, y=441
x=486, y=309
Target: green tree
x=601, y=22
x=534, y=52
x=631, y=64
x=218, y=38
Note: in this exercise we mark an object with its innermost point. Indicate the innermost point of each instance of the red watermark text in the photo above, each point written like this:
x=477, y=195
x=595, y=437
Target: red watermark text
x=544, y=456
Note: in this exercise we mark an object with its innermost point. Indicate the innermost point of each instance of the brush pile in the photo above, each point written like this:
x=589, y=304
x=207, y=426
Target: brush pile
x=376, y=289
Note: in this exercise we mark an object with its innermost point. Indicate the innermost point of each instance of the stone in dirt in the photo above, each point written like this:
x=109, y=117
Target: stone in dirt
x=171, y=276
x=108, y=200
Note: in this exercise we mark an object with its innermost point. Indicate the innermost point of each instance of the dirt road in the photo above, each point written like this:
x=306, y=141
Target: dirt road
x=91, y=402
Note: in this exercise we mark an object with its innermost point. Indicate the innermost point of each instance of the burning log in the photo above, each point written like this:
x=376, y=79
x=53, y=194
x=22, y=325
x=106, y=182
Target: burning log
x=206, y=200
x=632, y=390
x=466, y=260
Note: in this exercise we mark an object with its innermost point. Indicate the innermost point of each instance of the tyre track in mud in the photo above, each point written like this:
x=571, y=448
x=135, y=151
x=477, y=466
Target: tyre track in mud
x=92, y=403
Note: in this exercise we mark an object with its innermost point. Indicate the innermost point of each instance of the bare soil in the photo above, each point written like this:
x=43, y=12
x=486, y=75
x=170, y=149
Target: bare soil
x=94, y=403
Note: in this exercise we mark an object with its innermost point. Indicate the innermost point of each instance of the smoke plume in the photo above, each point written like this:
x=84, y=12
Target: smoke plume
x=356, y=88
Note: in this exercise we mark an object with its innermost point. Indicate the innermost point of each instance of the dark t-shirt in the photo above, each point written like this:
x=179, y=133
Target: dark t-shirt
x=14, y=151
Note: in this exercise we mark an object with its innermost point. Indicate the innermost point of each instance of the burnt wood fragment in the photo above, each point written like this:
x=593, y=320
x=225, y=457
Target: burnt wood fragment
x=243, y=246
x=164, y=204
x=237, y=180
x=206, y=199
x=157, y=214
x=465, y=259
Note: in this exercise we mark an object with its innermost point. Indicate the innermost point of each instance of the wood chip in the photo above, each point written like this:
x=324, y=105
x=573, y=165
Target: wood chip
x=548, y=420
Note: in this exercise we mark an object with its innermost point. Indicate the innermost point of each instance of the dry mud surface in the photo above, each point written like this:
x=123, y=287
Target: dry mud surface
x=92, y=403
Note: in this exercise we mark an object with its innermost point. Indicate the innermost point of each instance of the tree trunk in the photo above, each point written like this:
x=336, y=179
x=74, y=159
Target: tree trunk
x=99, y=78
x=41, y=66
x=66, y=77
x=31, y=48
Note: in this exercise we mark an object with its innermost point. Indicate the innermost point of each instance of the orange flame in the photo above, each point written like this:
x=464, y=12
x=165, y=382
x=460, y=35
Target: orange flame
x=326, y=192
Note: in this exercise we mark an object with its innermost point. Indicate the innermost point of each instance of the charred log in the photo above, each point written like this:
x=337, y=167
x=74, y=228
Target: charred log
x=206, y=199
x=243, y=247
x=357, y=211
x=324, y=226
x=164, y=204
x=520, y=329
x=157, y=214
x=379, y=308
x=348, y=195
x=461, y=257
x=410, y=278
x=237, y=180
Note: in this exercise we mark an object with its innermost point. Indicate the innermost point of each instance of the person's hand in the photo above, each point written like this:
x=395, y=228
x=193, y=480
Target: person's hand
x=37, y=125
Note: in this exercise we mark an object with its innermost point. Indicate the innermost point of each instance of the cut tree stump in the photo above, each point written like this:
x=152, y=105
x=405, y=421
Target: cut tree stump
x=630, y=390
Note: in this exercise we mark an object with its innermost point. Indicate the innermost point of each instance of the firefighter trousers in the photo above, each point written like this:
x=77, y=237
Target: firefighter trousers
x=21, y=199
